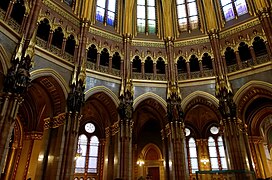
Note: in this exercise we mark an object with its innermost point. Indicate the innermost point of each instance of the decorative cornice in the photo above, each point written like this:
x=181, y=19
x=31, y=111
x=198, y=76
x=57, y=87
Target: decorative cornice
x=105, y=34
x=148, y=44
x=34, y=136
x=239, y=28
x=190, y=42
x=55, y=121
x=61, y=11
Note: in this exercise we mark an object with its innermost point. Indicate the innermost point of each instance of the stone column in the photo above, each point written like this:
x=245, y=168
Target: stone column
x=98, y=61
x=269, y=51
x=253, y=55
x=177, y=156
x=263, y=9
x=260, y=160
x=110, y=64
x=154, y=70
x=9, y=10
x=126, y=125
x=9, y=108
x=63, y=46
x=50, y=37
x=23, y=23
x=238, y=157
x=106, y=169
x=188, y=69
x=143, y=69
x=201, y=68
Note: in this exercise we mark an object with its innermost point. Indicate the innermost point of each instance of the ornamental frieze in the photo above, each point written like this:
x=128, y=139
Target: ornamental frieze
x=106, y=35
x=238, y=29
x=61, y=12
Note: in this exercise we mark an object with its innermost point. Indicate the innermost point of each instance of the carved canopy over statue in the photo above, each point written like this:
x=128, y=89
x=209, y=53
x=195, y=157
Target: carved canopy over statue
x=17, y=79
x=76, y=97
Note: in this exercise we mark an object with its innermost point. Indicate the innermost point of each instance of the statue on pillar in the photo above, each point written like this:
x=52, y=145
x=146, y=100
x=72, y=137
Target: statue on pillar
x=174, y=109
x=17, y=79
x=224, y=94
x=125, y=108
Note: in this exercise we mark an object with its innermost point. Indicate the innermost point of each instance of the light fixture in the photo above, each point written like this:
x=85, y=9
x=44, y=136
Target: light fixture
x=79, y=152
x=204, y=161
x=140, y=162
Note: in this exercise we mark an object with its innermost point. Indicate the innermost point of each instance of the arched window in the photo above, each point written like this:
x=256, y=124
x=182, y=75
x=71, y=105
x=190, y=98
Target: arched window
x=233, y=8
x=148, y=65
x=116, y=61
x=57, y=37
x=213, y=154
x=18, y=11
x=43, y=29
x=136, y=64
x=222, y=153
x=187, y=15
x=181, y=65
x=207, y=61
x=160, y=66
x=244, y=51
x=87, y=151
x=104, y=57
x=106, y=11
x=146, y=16
x=230, y=56
x=193, y=154
x=70, y=45
x=259, y=46
x=194, y=64
x=92, y=54
x=216, y=150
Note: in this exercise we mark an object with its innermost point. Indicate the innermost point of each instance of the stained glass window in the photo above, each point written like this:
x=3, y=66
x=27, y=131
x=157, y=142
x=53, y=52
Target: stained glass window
x=93, y=155
x=87, y=153
x=216, y=150
x=213, y=154
x=81, y=154
x=146, y=16
x=193, y=155
x=69, y=2
x=187, y=15
x=233, y=8
x=106, y=11
x=222, y=153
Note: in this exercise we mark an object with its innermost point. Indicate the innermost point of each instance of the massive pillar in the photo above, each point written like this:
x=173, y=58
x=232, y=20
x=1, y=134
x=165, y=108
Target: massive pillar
x=174, y=138
x=125, y=113
x=75, y=101
x=264, y=12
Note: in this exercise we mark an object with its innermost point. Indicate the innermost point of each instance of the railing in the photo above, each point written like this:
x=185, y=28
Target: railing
x=2, y=14
x=249, y=63
x=225, y=175
x=160, y=77
x=262, y=59
x=182, y=76
x=232, y=68
x=136, y=75
x=90, y=65
x=14, y=25
x=148, y=76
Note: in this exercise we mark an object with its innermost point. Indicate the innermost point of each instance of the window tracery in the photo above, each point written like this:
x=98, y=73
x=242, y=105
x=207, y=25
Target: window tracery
x=106, y=11
x=233, y=8
x=187, y=15
x=146, y=16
